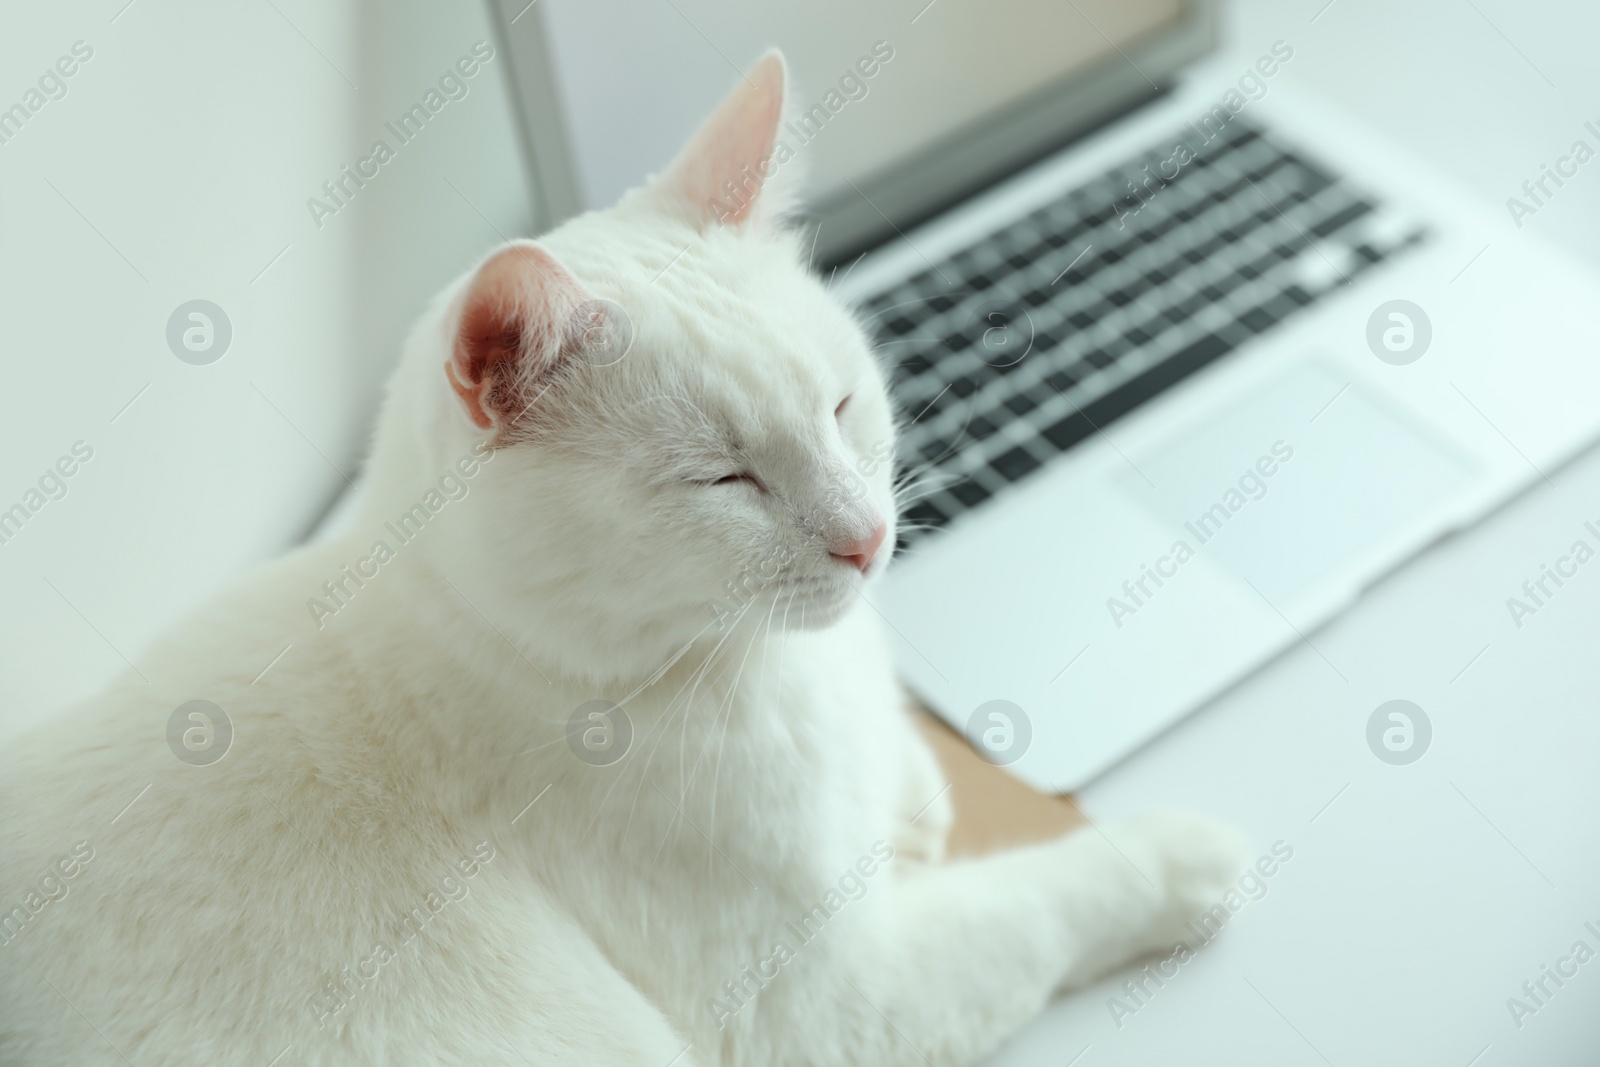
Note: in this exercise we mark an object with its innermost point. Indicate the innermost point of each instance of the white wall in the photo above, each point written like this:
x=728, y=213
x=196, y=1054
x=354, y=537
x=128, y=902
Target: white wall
x=177, y=166
x=1486, y=91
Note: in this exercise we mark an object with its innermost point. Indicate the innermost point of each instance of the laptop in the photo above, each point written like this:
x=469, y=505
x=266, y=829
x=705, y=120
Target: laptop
x=1187, y=359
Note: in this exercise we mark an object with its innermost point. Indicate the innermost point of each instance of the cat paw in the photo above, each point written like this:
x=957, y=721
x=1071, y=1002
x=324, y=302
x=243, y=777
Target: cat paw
x=1193, y=860
x=929, y=810
x=925, y=834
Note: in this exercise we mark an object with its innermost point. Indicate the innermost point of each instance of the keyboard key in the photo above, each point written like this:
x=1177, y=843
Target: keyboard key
x=1281, y=306
x=1015, y=464
x=1021, y=403
x=1258, y=320
x=969, y=493
x=1069, y=431
x=979, y=428
x=1334, y=223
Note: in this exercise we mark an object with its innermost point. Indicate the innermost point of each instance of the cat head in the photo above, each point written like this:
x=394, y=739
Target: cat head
x=688, y=427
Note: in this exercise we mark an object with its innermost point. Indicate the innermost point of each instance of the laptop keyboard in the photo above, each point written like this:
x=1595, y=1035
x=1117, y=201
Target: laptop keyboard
x=1036, y=337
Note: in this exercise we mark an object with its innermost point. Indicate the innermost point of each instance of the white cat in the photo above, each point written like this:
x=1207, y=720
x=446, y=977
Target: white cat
x=410, y=824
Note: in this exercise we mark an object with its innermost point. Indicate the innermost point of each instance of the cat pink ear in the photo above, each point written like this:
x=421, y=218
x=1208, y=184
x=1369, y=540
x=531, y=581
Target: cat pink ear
x=720, y=174
x=523, y=315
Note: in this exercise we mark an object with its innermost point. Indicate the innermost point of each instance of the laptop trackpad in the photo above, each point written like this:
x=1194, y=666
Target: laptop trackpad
x=1292, y=482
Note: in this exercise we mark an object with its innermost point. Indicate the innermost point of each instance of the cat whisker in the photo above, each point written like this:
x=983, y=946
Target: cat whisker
x=910, y=494
x=915, y=480
x=722, y=736
x=696, y=678
x=923, y=493
x=672, y=822
x=848, y=269
x=956, y=295
x=662, y=725
x=921, y=475
x=955, y=444
x=918, y=338
x=667, y=666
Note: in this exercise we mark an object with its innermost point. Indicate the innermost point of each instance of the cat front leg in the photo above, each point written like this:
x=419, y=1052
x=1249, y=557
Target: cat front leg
x=950, y=960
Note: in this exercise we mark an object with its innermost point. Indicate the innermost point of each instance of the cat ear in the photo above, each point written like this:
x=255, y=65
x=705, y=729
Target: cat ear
x=523, y=317
x=722, y=175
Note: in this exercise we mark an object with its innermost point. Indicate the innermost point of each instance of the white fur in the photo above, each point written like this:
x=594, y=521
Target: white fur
x=770, y=757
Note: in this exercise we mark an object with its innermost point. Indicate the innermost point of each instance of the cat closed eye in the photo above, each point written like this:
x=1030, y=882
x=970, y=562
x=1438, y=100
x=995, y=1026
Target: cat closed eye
x=839, y=411
x=731, y=479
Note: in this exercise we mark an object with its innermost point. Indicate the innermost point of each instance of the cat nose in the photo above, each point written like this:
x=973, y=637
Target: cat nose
x=860, y=553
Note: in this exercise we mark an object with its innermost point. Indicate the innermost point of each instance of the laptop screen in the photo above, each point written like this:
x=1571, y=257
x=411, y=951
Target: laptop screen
x=874, y=83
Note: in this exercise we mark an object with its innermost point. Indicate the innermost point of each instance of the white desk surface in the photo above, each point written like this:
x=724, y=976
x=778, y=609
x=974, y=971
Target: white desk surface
x=1422, y=896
